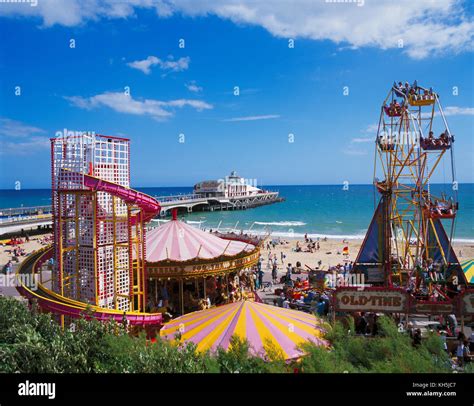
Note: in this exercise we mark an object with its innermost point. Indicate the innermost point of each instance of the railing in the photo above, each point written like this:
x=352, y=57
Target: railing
x=18, y=211
x=177, y=198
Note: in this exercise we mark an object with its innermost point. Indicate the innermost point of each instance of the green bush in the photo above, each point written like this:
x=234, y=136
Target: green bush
x=34, y=342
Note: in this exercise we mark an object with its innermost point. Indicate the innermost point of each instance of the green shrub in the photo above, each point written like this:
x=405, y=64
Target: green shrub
x=34, y=342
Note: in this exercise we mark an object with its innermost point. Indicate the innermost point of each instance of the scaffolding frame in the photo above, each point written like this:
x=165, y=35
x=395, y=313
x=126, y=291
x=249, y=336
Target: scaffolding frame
x=95, y=231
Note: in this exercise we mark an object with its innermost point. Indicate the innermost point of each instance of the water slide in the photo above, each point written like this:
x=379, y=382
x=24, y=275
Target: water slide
x=148, y=204
x=52, y=301
x=55, y=303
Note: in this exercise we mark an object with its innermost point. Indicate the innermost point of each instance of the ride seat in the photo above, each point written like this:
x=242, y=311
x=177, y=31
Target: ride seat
x=420, y=101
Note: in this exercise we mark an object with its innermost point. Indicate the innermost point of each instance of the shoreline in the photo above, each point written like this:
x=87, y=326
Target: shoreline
x=330, y=253
x=314, y=236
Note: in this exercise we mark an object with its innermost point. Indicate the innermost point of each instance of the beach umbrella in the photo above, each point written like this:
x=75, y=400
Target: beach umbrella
x=468, y=269
x=265, y=327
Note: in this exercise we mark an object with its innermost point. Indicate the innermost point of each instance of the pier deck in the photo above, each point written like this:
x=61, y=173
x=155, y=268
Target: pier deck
x=15, y=219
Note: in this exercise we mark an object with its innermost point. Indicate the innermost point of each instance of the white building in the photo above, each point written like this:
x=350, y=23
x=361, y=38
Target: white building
x=232, y=186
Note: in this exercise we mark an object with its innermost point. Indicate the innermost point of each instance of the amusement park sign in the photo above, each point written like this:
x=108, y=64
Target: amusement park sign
x=371, y=300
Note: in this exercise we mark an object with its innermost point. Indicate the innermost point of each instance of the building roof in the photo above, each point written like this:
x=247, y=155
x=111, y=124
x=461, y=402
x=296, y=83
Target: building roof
x=178, y=241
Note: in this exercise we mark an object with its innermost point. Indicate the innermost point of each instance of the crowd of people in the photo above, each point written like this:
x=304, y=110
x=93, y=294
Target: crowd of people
x=414, y=92
x=365, y=323
x=385, y=143
x=311, y=246
x=394, y=108
x=203, y=293
x=431, y=142
x=15, y=249
x=441, y=208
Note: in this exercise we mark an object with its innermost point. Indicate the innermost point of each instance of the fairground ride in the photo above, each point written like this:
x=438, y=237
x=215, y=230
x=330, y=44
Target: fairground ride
x=409, y=240
x=97, y=262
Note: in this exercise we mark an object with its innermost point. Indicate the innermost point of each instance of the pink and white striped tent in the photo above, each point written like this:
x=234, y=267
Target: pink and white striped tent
x=178, y=241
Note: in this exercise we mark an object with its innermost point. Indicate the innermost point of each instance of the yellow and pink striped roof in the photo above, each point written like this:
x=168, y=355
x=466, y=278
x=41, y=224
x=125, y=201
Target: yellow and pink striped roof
x=261, y=324
x=178, y=241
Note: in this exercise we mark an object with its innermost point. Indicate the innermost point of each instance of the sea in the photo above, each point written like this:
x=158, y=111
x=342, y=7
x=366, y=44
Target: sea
x=317, y=210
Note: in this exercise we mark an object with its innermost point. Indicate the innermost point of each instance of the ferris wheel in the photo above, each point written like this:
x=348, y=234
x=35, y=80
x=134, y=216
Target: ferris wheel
x=409, y=241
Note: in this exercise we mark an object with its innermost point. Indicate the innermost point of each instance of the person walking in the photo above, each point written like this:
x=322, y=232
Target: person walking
x=275, y=272
x=260, y=274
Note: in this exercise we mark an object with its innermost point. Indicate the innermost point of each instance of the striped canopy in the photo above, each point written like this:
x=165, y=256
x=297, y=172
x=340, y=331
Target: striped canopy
x=263, y=326
x=468, y=269
x=178, y=241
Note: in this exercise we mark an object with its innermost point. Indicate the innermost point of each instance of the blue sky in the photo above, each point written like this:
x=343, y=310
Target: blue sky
x=189, y=90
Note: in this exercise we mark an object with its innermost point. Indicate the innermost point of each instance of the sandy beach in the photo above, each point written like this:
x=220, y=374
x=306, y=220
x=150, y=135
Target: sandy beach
x=330, y=253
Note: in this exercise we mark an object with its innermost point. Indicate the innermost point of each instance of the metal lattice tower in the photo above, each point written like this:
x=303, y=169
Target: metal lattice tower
x=93, y=233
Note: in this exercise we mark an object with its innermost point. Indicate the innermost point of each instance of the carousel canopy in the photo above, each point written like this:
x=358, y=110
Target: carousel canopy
x=262, y=325
x=468, y=269
x=178, y=241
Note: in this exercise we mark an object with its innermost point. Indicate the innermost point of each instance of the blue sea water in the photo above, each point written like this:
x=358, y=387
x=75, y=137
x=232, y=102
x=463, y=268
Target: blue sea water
x=319, y=210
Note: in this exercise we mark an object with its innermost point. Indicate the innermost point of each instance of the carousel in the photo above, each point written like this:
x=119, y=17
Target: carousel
x=189, y=269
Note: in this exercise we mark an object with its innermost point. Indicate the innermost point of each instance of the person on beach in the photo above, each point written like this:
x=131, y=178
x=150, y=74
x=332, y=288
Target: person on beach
x=274, y=272
x=320, y=307
x=270, y=260
x=260, y=274
x=8, y=268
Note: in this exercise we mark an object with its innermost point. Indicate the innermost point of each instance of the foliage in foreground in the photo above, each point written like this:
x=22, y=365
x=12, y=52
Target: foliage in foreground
x=34, y=342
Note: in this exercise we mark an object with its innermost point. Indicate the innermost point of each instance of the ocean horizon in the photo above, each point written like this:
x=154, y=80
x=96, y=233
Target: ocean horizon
x=316, y=210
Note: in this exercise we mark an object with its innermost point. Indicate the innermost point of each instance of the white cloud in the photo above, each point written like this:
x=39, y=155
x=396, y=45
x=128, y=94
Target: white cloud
x=253, y=118
x=425, y=27
x=20, y=139
x=12, y=128
x=124, y=103
x=451, y=111
x=458, y=111
x=362, y=140
x=193, y=87
x=353, y=151
x=167, y=65
x=371, y=129
x=24, y=147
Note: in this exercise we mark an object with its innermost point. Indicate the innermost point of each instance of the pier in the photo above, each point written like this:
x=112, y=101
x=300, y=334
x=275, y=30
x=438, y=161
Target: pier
x=15, y=219
x=199, y=202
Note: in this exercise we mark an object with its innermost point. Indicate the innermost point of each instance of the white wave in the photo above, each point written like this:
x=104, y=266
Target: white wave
x=465, y=240
x=291, y=235
x=195, y=222
x=338, y=222
x=281, y=223
x=314, y=236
